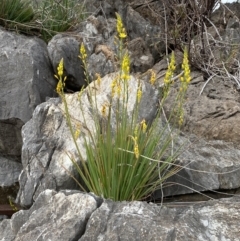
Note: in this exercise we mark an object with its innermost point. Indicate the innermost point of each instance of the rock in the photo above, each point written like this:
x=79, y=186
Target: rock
x=25, y=81
x=10, y=137
x=209, y=159
x=69, y=215
x=142, y=221
x=47, y=142
x=207, y=165
x=9, y=171
x=138, y=26
x=141, y=58
x=54, y=216
x=6, y=233
x=67, y=47
x=26, y=76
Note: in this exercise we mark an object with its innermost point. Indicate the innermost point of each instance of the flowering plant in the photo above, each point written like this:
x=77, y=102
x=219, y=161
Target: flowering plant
x=124, y=162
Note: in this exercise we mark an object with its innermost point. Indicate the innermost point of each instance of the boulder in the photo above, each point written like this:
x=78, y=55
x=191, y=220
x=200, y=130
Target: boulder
x=26, y=75
x=47, y=142
x=206, y=165
x=54, y=216
x=71, y=215
x=214, y=220
x=26, y=80
x=67, y=47
x=9, y=171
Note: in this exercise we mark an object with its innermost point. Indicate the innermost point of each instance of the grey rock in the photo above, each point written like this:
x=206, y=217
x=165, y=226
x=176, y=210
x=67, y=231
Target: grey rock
x=214, y=220
x=54, y=216
x=6, y=233
x=70, y=215
x=9, y=171
x=99, y=64
x=26, y=76
x=10, y=137
x=67, y=47
x=26, y=80
x=47, y=142
x=206, y=165
x=141, y=58
x=209, y=164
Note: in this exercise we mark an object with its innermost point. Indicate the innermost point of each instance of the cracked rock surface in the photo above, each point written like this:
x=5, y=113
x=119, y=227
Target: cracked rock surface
x=71, y=215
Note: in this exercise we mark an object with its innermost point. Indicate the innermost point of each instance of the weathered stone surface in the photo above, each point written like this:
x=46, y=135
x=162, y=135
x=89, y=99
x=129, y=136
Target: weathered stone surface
x=138, y=26
x=141, y=58
x=6, y=233
x=141, y=221
x=47, y=141
x=207, y=165
x=25, y=81
x=9, y=171
x=26, y=78
x=67, y=47
x=211, y=110
x=54, y=216
x=69, y=215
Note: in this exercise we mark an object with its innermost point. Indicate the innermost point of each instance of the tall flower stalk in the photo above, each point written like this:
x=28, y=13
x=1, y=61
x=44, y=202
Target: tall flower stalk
x=125, y=156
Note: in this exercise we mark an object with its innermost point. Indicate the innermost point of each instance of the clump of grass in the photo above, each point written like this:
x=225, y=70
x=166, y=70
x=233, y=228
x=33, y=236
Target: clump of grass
x=45, y=20
x=127, y=158
x=58, y=16
x=15, y=11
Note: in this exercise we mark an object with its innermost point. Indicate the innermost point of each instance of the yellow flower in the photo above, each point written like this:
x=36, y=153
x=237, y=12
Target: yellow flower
x=59, y=76
x=153, y=77
x=77, y=132
x=185, y=67
x=60, y=68
x=59, y=87
x=119, y=89
x=139, y=94
x=143, y=125
x=170, y=71
x=136, y=150
x=104, y=109
x=120, y=28
x=125, y=67
x=116, y=86
x=83, y=53
x=98, y=79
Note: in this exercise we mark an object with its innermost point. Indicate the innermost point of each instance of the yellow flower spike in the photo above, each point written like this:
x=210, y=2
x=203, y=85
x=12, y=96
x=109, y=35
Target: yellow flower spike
x=170, y=71
x=83, y=53
x=139, y=94
x=120, y=28
x=98, y=79
x=60, y=68
x=136, y=150
x=104, y=110
x=77, y=132
x=135, y=132
x=59, y=76
x=118, y=89
x=153, y=77
x=143, y=126
x=125, y=67
x=59, y=87
x=185, y=67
